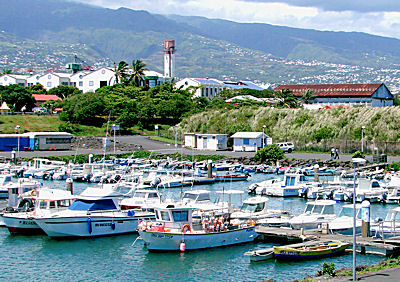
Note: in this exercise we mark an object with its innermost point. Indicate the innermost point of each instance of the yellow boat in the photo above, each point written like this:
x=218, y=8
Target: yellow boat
x=311, y=250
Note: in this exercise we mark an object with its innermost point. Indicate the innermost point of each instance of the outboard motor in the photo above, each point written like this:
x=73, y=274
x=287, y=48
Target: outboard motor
x=304, y=192
x=383, y=197
x=155, y=182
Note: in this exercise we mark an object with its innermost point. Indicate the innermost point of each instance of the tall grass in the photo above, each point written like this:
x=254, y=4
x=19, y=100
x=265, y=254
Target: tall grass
x=381, y=124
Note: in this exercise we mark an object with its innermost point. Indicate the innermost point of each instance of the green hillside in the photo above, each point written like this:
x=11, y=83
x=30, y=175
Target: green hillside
x=313, y=128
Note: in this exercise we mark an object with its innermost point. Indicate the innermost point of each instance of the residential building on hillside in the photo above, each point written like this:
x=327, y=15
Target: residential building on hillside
x=9, y=79
x=49, y=80
x=85, y=81
x=367, y=94
x=210, y=87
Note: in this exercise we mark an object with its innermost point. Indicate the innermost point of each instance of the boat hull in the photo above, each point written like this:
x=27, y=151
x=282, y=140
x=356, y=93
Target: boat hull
x=21, y=225
x=289, y=253
x=167, y=241
x=88, y=226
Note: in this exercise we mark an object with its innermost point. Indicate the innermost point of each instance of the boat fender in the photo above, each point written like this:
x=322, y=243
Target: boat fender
x=89, y=225
x=131, y=213
x=182, y=246
x=186, y=228
x=113, y=225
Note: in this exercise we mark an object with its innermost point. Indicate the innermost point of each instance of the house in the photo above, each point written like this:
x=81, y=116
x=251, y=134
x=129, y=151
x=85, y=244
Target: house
x=367, y=94
x=89, y=81
x=41, y=98
x=250, y=141
x=49, y=80
x=213, y=142
x=9, y=79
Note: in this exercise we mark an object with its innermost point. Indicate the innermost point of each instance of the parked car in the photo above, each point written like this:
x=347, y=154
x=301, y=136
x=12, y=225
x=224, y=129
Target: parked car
x=286, y=146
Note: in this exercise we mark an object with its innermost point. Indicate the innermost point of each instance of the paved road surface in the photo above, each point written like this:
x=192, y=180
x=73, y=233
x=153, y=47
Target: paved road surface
x=148, y=144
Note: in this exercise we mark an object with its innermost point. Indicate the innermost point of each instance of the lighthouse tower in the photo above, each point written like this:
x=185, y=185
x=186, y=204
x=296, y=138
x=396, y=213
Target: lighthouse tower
x=169, y=58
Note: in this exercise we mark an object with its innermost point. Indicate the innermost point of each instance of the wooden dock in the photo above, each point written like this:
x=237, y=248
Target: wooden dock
x=388, y=247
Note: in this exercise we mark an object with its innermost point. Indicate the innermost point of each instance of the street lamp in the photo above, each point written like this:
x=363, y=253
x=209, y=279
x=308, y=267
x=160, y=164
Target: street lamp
x=263, y=137
x=17, y=129
x=362, y=138
x=356, y=162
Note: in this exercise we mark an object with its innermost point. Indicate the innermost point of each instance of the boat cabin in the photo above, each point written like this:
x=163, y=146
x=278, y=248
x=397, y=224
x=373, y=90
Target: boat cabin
x=96, y=199
x=320, y=207
x=254, y=205
x=294, y=179
x=196, y=196
x=52, y=200
x=173, y=217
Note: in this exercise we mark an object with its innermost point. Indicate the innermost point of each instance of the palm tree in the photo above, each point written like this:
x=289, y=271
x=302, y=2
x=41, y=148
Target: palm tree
x=307, y=96
x=120, y=71
x=138, y=68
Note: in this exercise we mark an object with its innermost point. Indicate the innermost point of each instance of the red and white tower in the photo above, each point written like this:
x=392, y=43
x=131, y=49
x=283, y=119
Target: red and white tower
x=169, y=58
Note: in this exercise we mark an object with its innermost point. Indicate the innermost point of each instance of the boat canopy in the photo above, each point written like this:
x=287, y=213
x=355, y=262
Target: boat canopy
x=93, y=205
x=54, y=195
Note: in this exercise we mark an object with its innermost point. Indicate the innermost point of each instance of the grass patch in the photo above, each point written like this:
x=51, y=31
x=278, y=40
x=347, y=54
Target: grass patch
x=165, y=139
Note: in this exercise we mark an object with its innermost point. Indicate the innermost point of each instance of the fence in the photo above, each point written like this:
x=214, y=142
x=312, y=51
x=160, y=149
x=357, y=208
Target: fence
x=350, y=146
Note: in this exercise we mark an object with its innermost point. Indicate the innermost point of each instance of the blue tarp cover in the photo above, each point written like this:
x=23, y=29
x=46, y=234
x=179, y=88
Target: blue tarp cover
x=93, y=205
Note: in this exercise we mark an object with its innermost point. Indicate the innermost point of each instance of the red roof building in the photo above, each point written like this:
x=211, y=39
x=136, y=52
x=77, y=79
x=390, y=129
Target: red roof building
x=41, y=98
x=369, y=94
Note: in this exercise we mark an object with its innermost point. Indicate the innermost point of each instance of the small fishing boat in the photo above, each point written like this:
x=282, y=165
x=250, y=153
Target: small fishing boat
x=230, y=177
x=311, y=251
x=174, y=231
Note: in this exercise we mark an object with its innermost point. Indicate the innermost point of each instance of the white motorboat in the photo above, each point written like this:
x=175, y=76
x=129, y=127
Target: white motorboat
x=4, y=180
x=255, y=208
x=141, y=199
x=343, y=224
x=370, y=190
x=288, y=187
x=315, y=213
x=173, y=231
x=390, y=227
x=95, y=212
x=47, y=202
x=393, y=194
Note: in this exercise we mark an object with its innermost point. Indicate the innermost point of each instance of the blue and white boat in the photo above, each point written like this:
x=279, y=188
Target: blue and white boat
x=95, y=212
x=173, y=230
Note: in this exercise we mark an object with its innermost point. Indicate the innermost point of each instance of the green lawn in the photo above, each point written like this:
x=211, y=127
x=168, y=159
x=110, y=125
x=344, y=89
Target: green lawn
x=34, y=123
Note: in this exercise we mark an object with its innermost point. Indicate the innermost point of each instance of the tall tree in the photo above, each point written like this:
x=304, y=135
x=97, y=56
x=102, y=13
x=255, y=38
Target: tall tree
x=64, y=91
x=16, y=97
x=121, y=71
x=138, y=69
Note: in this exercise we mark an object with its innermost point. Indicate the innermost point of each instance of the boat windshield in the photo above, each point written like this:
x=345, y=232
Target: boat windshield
x=393, y=216
x=252, y=207
x=317, y=209
x=347, y=211
x=93, y=205
x=190, y=196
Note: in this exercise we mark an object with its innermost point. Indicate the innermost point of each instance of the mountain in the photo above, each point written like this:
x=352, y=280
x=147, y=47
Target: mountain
x=46, y=33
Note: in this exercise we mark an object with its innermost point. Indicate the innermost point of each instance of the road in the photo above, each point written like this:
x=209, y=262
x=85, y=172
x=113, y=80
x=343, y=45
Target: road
x=162, y=147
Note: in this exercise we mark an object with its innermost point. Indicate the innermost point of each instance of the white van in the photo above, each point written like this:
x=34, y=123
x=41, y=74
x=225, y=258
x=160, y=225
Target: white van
x=286, y=146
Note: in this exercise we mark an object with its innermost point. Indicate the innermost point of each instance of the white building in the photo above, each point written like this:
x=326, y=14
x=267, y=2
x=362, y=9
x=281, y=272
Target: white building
x=213, y=142
x=49, y=80
x=92, y=80
x=249, y=141
x=9, y=79
x=210, y=87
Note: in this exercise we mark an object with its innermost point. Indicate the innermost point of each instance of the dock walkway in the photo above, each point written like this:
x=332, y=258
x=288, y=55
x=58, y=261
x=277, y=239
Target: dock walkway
x=389, y=247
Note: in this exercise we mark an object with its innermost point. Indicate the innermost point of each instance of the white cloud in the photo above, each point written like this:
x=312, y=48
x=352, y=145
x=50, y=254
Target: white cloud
x=291, y=13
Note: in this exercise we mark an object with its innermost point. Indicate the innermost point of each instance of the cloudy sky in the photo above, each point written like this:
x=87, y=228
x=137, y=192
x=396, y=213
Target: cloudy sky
x=372, y=16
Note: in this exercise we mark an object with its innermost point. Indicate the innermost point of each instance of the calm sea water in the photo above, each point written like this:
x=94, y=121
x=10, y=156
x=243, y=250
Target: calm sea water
x=114, y=258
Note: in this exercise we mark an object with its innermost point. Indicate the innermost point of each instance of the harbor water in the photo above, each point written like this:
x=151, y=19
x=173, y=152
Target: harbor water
x=114, y=258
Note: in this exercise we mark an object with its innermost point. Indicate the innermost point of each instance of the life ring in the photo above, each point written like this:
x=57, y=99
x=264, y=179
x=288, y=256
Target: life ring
x=186, y=228
x=33, y=193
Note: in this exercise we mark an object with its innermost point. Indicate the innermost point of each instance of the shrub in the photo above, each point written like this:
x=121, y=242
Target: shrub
x=358, y=154
x=395, y=166
x=271, y=153
x=329, y=269
x=323, y=133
